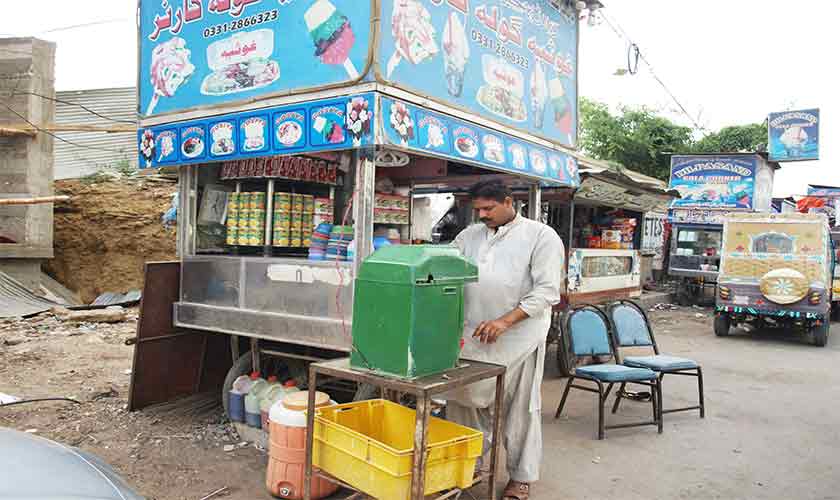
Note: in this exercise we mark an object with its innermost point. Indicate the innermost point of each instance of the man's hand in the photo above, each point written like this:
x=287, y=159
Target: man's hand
x=490, y=331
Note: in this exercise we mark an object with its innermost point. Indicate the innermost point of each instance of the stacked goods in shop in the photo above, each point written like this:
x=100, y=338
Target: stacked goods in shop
x=323, y=211
x=320, y=241
x=340, y=238
x=256, y=218
x=391, y=209
x=282, y=220
x=296, y=238
x=308, y=219
x=242, y=222
x=626, y=228
x=232, y=219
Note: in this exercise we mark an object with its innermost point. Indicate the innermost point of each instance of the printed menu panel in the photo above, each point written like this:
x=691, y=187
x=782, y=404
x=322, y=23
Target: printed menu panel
x=198, y=53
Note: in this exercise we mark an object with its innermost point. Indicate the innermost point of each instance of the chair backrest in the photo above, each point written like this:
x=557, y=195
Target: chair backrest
x=588, y=330
x=630, y=325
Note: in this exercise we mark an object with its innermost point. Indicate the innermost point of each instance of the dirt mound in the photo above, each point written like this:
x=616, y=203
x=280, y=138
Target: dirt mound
x=107, y=231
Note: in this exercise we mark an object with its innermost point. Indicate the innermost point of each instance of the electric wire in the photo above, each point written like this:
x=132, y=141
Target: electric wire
x=637, y=53
x=39, y=129
x=61, y=101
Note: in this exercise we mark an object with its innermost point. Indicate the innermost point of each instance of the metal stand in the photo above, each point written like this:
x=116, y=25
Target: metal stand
x=423, y=389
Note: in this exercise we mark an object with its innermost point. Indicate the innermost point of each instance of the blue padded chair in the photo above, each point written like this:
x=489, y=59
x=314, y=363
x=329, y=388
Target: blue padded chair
x=631, y=328
x=587, y=328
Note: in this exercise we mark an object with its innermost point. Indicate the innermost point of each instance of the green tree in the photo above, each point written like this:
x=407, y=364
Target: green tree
x=636, y=138
x=747, y=138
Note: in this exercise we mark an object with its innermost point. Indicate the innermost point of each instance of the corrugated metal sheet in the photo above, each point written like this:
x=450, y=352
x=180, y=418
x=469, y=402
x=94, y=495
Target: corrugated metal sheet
x=118, y=103
x=16, y=300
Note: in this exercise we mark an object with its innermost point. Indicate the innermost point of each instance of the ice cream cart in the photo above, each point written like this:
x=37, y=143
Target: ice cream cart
x=301, y=131
x=711, y=186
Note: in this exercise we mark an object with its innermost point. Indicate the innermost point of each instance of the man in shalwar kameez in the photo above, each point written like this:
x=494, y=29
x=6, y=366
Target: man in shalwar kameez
x=507, y=316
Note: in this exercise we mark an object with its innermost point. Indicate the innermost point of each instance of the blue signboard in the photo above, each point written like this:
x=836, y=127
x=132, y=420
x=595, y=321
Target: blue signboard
x=327, y=125
x=209, y=52
x=823, y=191
x=794, y=135
x=416, y=129
x=713, y=181
x=510, y=61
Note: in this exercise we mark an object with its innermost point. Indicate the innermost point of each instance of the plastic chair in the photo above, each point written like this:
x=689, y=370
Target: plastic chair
x=631, y=328
x=588, y=330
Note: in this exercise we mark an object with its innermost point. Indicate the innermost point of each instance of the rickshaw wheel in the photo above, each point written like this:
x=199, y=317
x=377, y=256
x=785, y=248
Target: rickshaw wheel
x=820, y=333
x=722, y=324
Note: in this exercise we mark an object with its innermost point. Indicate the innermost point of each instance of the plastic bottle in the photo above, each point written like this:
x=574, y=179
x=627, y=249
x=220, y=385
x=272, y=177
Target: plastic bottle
x=252, y=400
x=236, y=397
x=276, y=392
x=287, y=446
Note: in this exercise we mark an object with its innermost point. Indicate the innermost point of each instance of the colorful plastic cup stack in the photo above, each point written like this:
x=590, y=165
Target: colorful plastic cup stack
x=320, y=241
x=340, y=238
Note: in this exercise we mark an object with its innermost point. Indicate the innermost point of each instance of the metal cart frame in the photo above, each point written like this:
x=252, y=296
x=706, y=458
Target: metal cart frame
x=423, y=389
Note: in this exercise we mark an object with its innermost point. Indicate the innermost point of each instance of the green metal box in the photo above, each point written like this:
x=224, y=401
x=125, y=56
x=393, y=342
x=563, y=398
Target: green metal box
x=408, y=310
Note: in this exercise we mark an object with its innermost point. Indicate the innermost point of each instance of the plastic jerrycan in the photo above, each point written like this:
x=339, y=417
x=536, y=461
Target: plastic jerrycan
x=287, y=448
x=274, y=394
x=236, y=397
x=252, y=401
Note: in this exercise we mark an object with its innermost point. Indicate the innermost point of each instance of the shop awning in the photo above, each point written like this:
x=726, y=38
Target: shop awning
x=619, y=187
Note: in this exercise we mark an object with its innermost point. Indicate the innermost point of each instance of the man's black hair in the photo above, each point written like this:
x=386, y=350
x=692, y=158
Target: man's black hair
x=490, y=190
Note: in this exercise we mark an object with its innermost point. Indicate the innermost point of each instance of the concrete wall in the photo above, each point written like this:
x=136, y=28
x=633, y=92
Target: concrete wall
x=27, y=66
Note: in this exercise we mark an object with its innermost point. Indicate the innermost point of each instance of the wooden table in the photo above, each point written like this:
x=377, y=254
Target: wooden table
x=424, y=388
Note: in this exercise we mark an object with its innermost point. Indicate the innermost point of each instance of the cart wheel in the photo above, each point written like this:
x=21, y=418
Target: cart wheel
x=820, y=333
x=722, y=324
x=242, y=366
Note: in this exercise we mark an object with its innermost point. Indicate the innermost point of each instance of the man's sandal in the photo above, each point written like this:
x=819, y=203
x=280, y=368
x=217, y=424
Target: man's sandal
x=516, y=491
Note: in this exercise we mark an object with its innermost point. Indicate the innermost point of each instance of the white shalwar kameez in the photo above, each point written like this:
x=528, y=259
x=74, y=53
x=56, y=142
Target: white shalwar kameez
x=519, y=265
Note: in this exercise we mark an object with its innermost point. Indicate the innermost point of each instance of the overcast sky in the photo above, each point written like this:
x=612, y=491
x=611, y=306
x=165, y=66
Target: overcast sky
x=728, y=62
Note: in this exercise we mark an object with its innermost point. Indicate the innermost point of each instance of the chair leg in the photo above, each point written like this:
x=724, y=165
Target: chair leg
x=618, y=397
x=700, y=392
x=565, y=395
x=658, y=396
x=601, y=400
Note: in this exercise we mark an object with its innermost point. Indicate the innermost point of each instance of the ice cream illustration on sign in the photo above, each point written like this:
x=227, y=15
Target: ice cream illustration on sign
x=401, y=122
x=414, y=35
x=332, y=34
x=562, y=107
x=358, y=119
x=170, y=68
x=254, y=131
x=240, y=63
x=539, y=94
x=331, y=130
x=456, y=53
x=222, y=136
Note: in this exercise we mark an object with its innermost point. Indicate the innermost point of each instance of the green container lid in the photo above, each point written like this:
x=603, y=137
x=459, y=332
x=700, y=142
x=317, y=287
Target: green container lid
x=412, y=264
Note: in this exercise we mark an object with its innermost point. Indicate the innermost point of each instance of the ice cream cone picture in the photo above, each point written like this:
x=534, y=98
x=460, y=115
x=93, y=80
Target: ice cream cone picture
x=456, y=53
x=332, y=34
x=539, y=95
x=414, y=35
x=171, y=67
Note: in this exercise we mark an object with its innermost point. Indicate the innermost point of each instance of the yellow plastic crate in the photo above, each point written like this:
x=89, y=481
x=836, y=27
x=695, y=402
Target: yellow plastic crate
x=369, y=445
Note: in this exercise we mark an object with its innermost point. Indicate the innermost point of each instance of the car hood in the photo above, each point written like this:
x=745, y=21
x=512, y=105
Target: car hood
x=35, y=468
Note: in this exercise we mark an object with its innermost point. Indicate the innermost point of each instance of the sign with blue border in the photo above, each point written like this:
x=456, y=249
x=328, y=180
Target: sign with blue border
x=199, y=53
x=328, y=125
x=514, y=62
x=470, y=143
x=713, y=181
x=794, y=135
